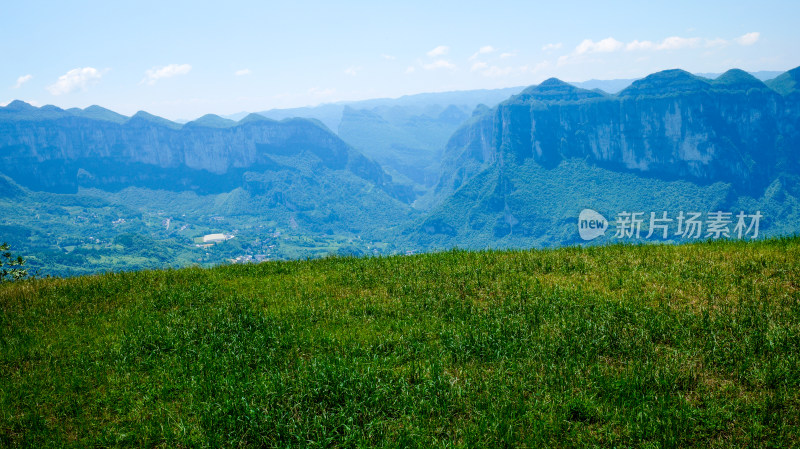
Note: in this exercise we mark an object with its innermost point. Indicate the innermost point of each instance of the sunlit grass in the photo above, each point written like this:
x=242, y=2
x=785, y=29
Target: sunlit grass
x=655, y=346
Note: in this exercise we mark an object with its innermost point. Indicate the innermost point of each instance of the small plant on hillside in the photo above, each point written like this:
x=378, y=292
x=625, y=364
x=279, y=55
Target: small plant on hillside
x=10, y=266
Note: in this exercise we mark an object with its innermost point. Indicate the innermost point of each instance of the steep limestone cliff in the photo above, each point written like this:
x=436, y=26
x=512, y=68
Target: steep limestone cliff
x=670, y=125
x=52, y=149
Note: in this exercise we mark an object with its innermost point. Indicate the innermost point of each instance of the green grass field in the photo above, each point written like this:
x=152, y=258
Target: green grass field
x=694, y=345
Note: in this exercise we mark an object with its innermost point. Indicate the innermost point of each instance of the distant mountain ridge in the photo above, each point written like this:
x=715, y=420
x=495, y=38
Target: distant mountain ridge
x=519, y=173
x=657, y=125
x=330, y=113
x=58, y=150
x=432, y=175
x=382, y=130
x=786, y=84
x=407, y=135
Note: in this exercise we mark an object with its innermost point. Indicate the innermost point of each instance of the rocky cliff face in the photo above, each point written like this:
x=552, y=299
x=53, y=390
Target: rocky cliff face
x=52, y=149
x=670, y=125
x=518, y=175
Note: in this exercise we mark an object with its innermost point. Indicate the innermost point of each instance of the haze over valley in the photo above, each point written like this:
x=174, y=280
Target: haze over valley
x=89, y=190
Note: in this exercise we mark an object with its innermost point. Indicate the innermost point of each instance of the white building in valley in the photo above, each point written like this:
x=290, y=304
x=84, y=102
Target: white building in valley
x=216, y=238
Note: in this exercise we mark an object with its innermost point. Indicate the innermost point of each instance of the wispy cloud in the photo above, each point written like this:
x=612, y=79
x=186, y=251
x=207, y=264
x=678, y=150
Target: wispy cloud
x=640, y=45
x=748, y=39
x=674, y=43
x=606, y=45
x=243, y=72
x=718, y=42
x=410, y=69
x=439, y=64
x=541, y=66
x=495, y=71
x=486, y=49
x=168, y=71
x=479, y=66
x=352, y=71
x=439, y=51
x=388, y=57
x=75, y=79
x=508, y=54
x=552, y=46
x=22, y=80
x=588, y=46
x=677, y=43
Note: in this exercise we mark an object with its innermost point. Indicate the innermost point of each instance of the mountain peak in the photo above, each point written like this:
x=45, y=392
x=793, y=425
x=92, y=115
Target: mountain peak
x=19, y=110
x=50, y=112
x=666, y=82
x=480, y=110
x=551, y=82
x=99, y=113
x=253, y=117
x=143, y=116
x=736, y=79
x=553, y=89
x=786, y=83
x=18, y=106
x=211, y=121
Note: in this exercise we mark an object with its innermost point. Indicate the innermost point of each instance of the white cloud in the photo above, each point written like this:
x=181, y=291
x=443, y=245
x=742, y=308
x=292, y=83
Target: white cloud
x=509, y=54
x=439, y=64
x=748, y=39
x=551, y=46
x=606, y=45
x=243, y=72
x=676, y=43
x=75, y=79
x=482, y=51
x=352, y=71
x=541, y=66
x=718, y=42
x=388, y=57
x=588, y=46
x=671, y=43
x=479, y=66
x=640, y=45
x=22, y=80
x=168, y=71
x=410, y=69
x=439, y=51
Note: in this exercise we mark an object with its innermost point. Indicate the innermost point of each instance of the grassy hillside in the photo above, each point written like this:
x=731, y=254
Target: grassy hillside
x=648, y=346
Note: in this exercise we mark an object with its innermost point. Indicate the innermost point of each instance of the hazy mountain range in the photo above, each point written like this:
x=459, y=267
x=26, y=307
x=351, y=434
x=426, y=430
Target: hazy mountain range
x=509, y=167
x=407, y=134
x=672, y=141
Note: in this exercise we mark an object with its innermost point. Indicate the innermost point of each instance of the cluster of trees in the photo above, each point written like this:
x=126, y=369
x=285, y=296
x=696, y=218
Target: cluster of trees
x=11, y=268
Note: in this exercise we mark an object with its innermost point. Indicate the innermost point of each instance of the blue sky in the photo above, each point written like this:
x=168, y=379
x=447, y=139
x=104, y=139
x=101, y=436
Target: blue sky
x=181, y=60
